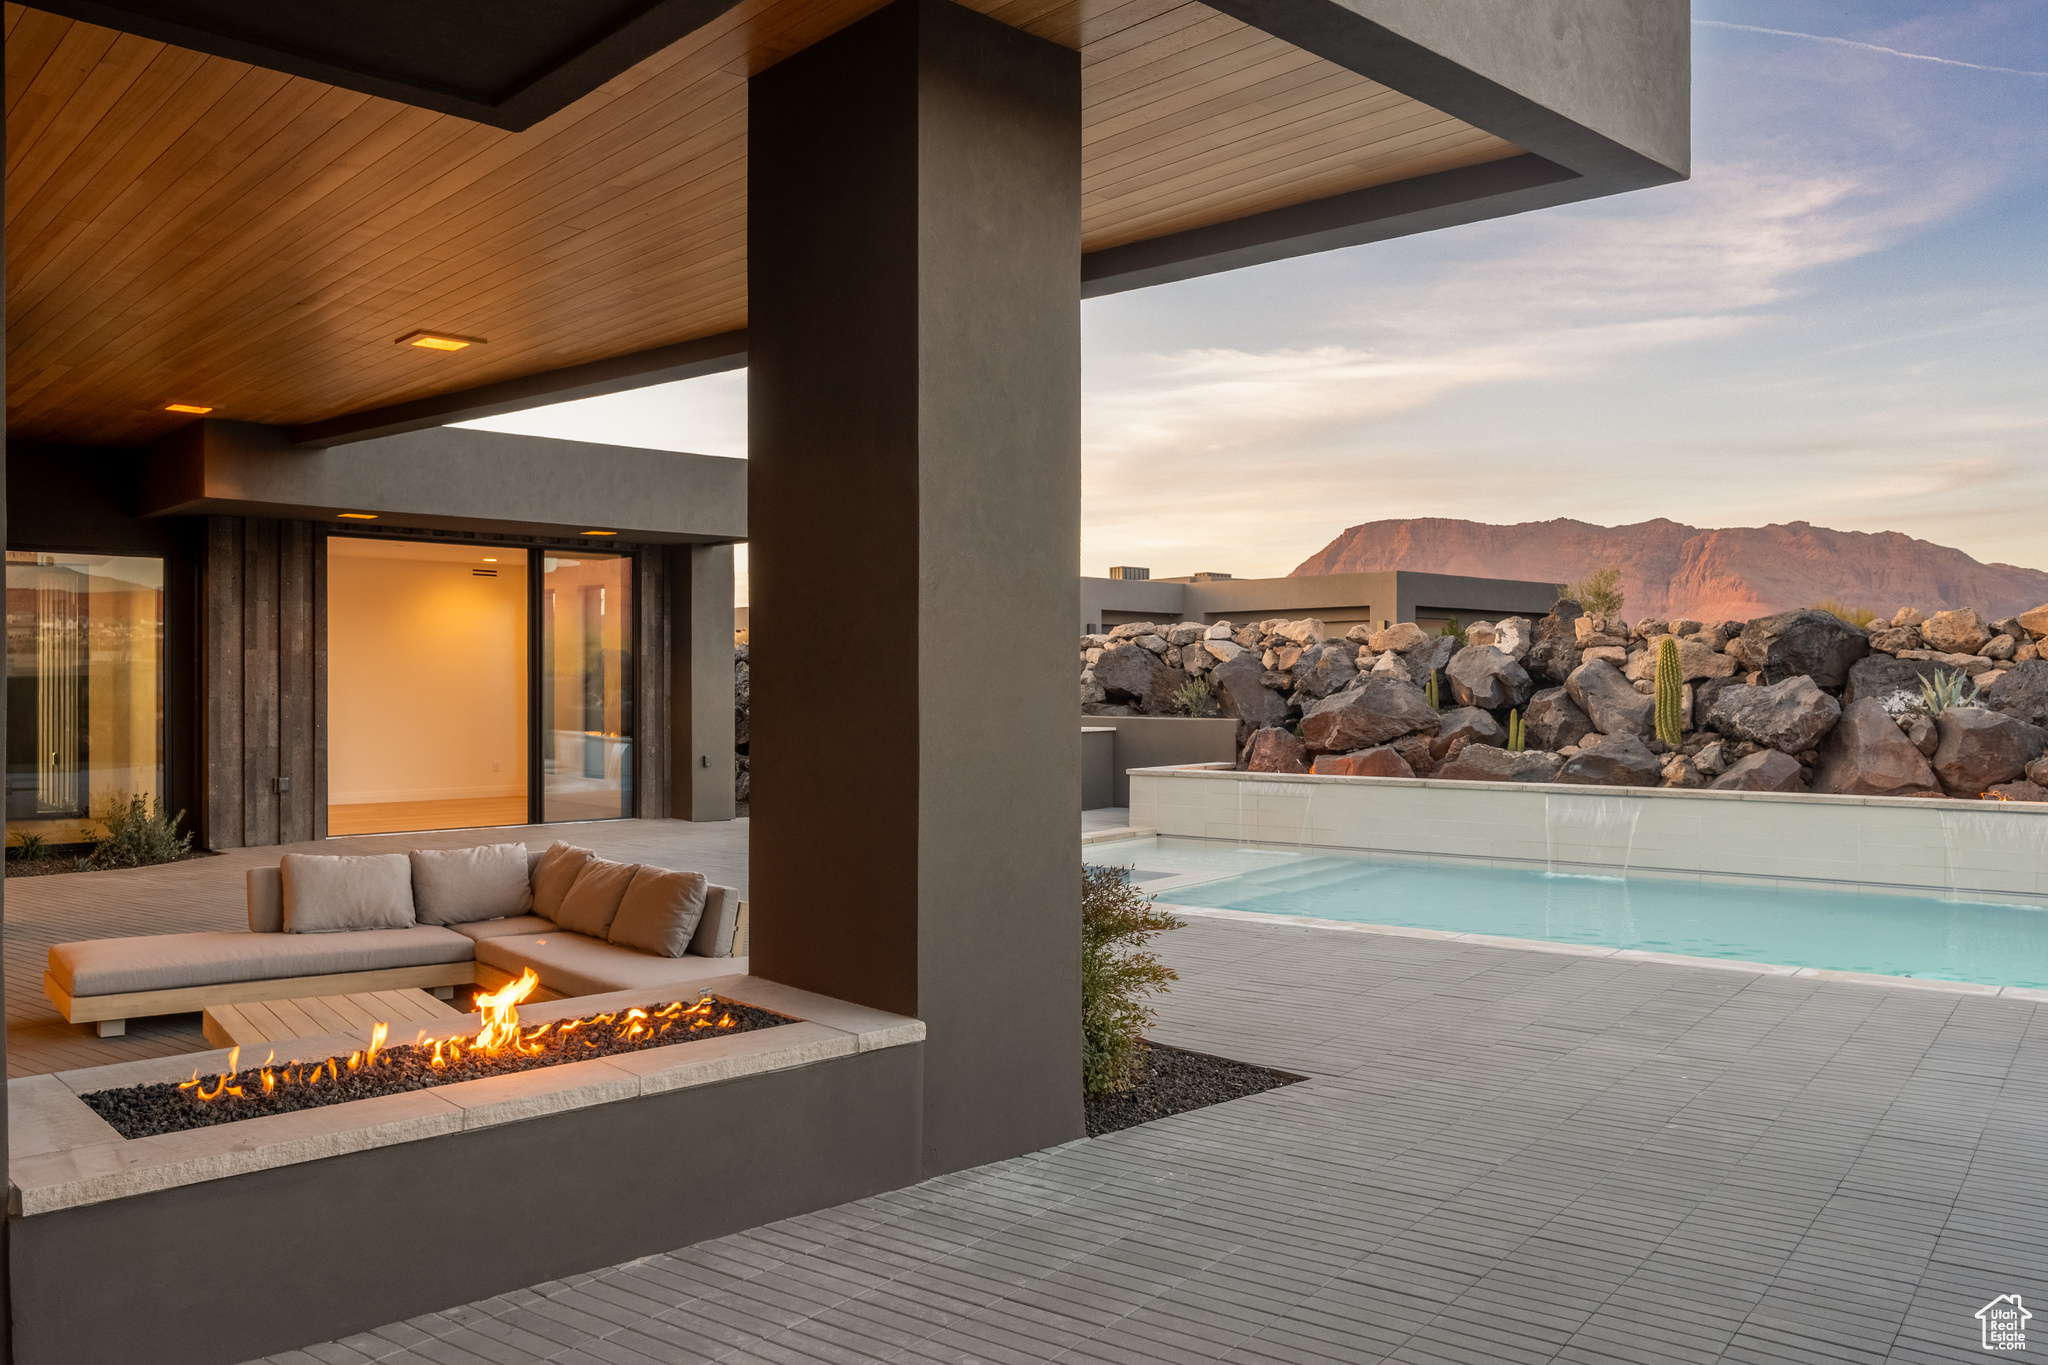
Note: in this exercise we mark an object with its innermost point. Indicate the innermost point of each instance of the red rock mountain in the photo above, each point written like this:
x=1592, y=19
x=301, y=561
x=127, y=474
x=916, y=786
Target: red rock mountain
x=1711, y=575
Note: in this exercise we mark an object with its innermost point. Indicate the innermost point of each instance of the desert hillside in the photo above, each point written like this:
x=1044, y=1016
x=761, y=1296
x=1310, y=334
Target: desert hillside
x=1670, y=569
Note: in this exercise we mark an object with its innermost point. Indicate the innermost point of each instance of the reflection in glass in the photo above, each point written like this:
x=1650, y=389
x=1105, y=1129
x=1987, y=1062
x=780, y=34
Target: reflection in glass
x=84, y=687
x=586, y=677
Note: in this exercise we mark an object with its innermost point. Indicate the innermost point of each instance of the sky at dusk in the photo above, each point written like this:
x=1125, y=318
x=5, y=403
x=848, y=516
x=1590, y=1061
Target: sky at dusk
x=1839, y=319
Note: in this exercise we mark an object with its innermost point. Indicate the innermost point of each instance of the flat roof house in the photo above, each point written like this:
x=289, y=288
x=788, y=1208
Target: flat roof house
x=256, y=251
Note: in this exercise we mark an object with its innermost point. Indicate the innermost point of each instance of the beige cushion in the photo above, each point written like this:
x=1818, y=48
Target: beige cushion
x=554, y=874
x=460, y=885
x=721, y=917
x=266, y=900
x=162, y=962
x=659, y=912
x=575, y=965
x=594, y=899
x=325, y=895
x=479, y=930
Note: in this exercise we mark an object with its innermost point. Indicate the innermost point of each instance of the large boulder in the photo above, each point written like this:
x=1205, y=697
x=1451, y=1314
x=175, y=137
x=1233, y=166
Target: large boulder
x=1819, y=644
x=1379, y=761
x=1555, y=651
x=1222, y=651
x=1242, y=693
x=1866, y=754
x=1765, y=771
x=1465, y=725
x=1415, y=750
x=1400, y=637
x=2035, y=622
x=1789, y=716
x=1695, y=661
x=1620, y=760
x=1963, y=631
x=2021, y=692
x=1328, y=668
x=1614, y=707
x=1133, y=676
x=1372, y=711
x=1184, y=633
x=1273, y=750
x=1307, y=631
x=1488, y=763
x=1513, y=637
x=1431, y=656
x=1555, y=720
x=1483, y=676
x=1895, y=638
x=1879, y=675
x=1981, y=748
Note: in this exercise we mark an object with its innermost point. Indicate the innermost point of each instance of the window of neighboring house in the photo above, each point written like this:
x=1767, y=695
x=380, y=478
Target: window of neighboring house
x=84, y=688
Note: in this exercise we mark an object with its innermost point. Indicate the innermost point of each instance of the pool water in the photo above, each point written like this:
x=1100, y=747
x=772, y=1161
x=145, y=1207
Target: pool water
x=1999, y=945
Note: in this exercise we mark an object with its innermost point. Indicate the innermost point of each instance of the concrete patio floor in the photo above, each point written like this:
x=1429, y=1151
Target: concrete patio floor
x=1502, y=1155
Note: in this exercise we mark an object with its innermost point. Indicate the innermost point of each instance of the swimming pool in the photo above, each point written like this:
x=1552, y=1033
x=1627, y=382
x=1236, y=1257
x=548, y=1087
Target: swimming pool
x=1997, y=945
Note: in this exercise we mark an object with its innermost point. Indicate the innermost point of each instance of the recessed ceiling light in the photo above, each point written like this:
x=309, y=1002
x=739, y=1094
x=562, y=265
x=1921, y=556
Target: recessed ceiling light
x=489, y=559
x=193, y=408
x=439, y=341
x=600, y=533
x=357, y=516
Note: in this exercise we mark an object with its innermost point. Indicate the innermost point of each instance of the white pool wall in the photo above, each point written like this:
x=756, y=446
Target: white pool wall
x=1972, y=850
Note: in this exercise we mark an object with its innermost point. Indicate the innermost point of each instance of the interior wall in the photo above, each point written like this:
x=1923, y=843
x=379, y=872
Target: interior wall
x=427, y=671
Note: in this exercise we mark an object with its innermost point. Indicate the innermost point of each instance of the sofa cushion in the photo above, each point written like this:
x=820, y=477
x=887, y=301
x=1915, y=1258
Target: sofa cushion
x=478, y=930
x=325, y=895
x=162, y=962
x=659, y=912
x=577, y=965
x=266, y=900
x=721, y=917
x=594, y=899
x=554, y=874
x=460, y=885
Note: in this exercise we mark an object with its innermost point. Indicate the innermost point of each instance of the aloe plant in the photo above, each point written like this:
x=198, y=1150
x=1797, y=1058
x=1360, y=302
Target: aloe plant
x=1670, y=692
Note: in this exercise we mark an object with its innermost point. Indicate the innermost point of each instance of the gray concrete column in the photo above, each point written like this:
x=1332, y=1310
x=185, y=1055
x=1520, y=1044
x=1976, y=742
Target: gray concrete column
x=914, y=503
x=700, y=669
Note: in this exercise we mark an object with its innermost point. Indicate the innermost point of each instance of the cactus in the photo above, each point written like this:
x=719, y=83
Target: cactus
x=1518, y=738
x=1670, y=687
x=1429, y=691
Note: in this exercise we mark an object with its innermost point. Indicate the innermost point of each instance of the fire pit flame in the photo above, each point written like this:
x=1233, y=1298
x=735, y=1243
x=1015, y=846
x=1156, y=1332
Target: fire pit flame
x=500, y=1009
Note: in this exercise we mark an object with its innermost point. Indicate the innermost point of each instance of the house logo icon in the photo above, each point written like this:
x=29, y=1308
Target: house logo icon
x=2005, y=1323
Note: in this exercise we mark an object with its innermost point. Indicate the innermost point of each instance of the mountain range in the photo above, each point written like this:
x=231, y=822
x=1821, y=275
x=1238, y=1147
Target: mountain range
x=1670, y=569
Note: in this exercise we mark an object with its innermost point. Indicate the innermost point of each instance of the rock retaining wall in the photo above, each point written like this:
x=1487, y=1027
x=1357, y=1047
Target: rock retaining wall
x=1797, y=701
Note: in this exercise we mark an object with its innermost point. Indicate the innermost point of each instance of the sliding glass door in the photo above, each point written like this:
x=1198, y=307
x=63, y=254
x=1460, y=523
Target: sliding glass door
x=586, y=687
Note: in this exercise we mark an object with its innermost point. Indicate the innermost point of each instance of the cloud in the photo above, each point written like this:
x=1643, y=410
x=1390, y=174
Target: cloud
x=1867, y=47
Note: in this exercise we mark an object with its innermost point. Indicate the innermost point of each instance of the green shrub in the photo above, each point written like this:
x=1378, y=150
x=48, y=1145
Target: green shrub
x=30, y=848
x=138, y=836
x=1599, y=592
x=1945, y=690
x=1194, y=698
x=1455, y=631
x=1117, y=973
x=1860, y=617
x=1670, y=692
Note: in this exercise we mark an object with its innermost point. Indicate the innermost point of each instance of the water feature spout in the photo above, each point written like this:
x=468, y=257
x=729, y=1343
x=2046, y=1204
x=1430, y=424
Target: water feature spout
x=1585, y=835
x=1973, y=841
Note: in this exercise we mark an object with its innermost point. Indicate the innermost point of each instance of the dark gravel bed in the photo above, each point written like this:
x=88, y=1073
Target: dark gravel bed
x=146, y=1110
x=1176, y=1081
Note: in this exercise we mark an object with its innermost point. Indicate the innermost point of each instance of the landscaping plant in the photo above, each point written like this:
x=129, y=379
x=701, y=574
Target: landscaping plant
x=1453, y=630
x=1599, y=592
x=137, y=835
x=1859, y=617
x=1117, y=974
x=30, y=848
x=1194, y=698
x=1945, y=690
x=1429, y=690
x=1518, y=738
x=1670, y=692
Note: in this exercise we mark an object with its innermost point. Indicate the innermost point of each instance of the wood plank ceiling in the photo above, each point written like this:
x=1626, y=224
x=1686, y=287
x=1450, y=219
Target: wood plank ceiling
x=188, y=229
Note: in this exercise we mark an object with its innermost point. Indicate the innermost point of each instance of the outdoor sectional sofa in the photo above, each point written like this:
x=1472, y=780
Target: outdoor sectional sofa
x=429, y=925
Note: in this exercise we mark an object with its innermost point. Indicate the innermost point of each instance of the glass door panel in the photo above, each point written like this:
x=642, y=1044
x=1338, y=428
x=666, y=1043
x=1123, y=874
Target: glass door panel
x=426, y=686
x=586, y=687
x=84, y=688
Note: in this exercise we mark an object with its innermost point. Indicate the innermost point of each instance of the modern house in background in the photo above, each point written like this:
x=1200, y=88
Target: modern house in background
x=323, y=230
x=1340, y=601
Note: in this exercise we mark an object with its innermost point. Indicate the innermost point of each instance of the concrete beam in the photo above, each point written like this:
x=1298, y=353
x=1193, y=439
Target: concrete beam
x=450, y=479
x=913, y=249
x=700, y=670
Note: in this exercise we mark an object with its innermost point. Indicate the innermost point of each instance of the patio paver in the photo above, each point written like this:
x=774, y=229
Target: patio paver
x=1501, y=1156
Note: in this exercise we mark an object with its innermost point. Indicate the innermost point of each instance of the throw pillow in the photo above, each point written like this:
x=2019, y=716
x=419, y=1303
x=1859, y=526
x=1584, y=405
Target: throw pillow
x=594, y=899
x=554, y=874
x=463, y=885
x=660, y=911
x=325, y=895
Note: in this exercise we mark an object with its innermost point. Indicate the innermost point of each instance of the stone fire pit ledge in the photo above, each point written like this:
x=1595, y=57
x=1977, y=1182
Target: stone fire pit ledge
x=62, y=1155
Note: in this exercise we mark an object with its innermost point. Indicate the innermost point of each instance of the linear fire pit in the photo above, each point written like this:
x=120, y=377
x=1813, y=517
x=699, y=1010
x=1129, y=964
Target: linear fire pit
x=360, y=1211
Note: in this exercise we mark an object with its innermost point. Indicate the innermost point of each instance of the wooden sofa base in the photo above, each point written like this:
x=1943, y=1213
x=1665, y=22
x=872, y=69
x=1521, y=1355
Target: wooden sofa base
x=112, y=1012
